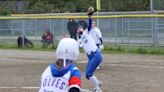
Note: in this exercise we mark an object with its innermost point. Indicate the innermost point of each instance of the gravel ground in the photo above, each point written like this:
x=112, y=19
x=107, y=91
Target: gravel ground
x=20, y=70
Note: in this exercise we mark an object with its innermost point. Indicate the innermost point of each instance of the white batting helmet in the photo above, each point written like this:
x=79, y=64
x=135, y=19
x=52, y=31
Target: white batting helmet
x=67, y=49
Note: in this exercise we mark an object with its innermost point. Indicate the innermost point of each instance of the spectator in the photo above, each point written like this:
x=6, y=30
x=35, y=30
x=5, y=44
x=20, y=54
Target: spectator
x=23, y=41
x=47, y=39
x=84, y=25
x=72, y=28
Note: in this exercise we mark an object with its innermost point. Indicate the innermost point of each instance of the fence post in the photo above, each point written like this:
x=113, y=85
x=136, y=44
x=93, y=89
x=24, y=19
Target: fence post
x=23, y=32
x=128, y=29
x=156, y=31
x=115, y=27
x=122, y=29
x=36, y=29
x=154, y=35
x=62, y=26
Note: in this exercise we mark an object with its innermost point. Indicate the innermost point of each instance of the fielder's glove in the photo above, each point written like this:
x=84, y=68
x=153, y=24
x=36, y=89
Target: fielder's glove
x=90, y=11
x=101, y=47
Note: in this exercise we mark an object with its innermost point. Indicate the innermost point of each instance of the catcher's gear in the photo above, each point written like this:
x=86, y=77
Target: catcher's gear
x=90, y=10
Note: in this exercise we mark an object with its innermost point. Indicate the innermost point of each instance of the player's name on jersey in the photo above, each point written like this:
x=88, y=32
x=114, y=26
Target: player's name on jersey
x=55, y=82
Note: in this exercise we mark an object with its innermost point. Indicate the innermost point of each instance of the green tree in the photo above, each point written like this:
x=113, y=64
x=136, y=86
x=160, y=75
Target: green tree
x=4, y=9
x=44, y=6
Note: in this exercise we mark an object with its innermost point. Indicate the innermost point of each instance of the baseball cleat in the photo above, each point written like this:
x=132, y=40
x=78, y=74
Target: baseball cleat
x=97, y=90
x=98, y=68
x=100, y=84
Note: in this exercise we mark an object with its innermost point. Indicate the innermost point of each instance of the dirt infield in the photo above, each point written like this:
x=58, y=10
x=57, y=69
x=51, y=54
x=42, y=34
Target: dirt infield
x=21, y=70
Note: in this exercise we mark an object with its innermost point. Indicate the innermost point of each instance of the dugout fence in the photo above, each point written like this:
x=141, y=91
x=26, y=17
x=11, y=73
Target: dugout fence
x=132, y=28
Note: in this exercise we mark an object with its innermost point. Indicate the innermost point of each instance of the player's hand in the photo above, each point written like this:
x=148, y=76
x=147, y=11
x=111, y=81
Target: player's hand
x=79, y=43
x=90, y=11
x=101, y=47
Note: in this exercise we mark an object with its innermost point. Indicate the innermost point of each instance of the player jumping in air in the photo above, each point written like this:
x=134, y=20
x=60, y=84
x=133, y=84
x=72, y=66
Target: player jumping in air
x=94, y=55
x=63, y=75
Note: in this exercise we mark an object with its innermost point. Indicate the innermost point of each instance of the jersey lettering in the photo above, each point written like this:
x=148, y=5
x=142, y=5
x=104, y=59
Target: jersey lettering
x=84, y=39
x=59, y=83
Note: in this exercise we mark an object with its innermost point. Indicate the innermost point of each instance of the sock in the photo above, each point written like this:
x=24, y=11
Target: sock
x=94, y=81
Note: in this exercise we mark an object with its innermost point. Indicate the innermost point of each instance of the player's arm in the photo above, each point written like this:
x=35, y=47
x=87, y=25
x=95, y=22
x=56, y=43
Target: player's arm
x=101, y=40
x=89, y=22
x=99, y=35
x=74, y=89
x=90, y=13
x=75, y=81
x=80, y=43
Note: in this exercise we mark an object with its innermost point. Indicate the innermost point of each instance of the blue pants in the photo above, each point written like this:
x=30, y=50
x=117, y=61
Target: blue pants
x=94, y=60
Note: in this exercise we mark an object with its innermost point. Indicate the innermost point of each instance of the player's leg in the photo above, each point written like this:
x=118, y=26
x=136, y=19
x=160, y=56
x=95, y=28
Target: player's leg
x=98, y=46
x=30, y=44
x=44, y=43
x=94, y=61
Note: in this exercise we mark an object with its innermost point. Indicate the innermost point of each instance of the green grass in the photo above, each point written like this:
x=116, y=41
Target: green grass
x=123, y=49
x=36, y=47
x=134, y=49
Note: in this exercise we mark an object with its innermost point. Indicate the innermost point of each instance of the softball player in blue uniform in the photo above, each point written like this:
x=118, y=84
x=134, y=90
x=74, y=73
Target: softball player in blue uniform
x=93, y=53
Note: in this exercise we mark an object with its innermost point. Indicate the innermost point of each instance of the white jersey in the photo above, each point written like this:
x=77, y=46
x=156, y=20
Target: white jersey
x=54, y=84
x=86, y=42
x=96, y=34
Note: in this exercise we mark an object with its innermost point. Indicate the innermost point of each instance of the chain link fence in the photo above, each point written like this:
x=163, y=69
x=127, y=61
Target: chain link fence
x=116, y=29
x=158, y=4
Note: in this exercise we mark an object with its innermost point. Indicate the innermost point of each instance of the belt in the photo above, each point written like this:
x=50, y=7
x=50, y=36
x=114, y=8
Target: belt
x=89, y=53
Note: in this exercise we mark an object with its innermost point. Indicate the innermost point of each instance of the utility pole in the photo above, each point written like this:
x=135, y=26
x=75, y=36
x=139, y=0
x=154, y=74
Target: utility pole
x=98, y=6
